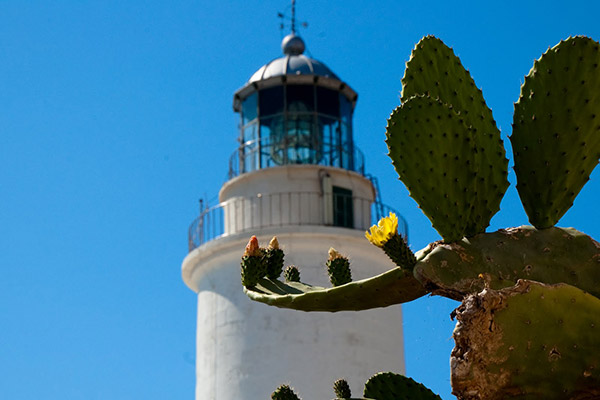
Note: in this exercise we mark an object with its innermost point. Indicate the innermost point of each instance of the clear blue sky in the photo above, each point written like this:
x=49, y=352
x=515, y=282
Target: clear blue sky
x=116, y=116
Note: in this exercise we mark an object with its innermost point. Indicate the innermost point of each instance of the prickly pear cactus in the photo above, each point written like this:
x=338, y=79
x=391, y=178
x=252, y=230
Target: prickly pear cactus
x=392, y=287
x=291, y=274
x=342, y=389
x=528, y=341
x=284, y=392
x=274, y=259
x=381, y=386
x=253, y=266
x=499, y=259
x=531, y=299
x=444, y=143
x=385, y=235
x=338, y=268
x=390, y=386
x=556, y=129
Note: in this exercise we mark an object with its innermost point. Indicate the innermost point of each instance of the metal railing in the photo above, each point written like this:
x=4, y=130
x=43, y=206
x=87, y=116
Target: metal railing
x=244, y=214
x=265, y=153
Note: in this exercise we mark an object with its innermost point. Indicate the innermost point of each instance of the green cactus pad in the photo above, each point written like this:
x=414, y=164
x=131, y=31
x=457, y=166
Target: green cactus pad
x=392, y=287
x=390, y=386
x=500, y=258
x=435, y=71
x=284, y=392
x=556, y=129
x=433, y=153
x=530, y=341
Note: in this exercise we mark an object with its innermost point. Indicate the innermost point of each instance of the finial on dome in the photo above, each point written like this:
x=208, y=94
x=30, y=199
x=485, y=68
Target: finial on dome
x=292, y=45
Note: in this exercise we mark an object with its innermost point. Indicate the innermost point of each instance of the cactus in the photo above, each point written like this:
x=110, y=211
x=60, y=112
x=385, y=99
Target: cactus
x=338, y=268
x=342, y=389
x=390, y=386
x=291, y=274
x=445, y=145
x=392, y=287
x=530, y=340
x=530, y=295
x=385, y=235
x=253, y=264
x=552, y=255
x=274, y=259
x=284, y=392
x=556, y=129
x=381, y=386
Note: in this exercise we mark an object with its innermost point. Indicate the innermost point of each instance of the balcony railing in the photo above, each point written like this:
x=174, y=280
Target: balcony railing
x=249, y=214
x=266, y=153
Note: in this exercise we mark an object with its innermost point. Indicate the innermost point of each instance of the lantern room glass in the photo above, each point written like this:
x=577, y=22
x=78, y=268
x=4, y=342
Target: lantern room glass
x=295, y=124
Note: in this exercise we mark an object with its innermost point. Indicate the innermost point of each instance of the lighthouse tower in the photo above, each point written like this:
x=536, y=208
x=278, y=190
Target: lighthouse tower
x=296, y=174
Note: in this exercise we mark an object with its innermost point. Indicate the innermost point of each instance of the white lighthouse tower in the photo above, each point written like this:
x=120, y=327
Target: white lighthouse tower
x=296, y=174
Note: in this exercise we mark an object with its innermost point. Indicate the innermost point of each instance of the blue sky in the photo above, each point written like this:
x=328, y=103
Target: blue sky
x=116, y=117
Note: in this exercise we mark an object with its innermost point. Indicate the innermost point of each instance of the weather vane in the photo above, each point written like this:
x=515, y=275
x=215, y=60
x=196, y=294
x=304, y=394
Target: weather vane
x=292, y=19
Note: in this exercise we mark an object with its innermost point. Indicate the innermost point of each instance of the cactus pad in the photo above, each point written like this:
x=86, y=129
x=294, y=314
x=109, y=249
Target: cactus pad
x=433, y=152
x=392, y=287
x=556, y=129
x=500, y=258
x=436, y=72
x=390, y=386
x=530, y=341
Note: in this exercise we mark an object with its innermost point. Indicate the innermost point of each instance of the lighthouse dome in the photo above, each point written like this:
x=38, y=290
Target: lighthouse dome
x=293, y=62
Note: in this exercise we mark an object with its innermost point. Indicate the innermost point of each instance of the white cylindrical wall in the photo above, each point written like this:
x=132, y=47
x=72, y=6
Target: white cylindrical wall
x=292, y=195
x=246, y=349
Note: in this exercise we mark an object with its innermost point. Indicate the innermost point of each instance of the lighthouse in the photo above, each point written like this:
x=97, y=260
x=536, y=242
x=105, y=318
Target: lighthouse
x=296, y=174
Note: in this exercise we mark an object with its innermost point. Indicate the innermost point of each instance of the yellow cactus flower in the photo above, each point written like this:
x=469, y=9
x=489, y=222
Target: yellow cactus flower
x=385, y=229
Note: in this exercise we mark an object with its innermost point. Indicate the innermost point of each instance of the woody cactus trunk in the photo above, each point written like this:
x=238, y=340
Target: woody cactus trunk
x=529, y=323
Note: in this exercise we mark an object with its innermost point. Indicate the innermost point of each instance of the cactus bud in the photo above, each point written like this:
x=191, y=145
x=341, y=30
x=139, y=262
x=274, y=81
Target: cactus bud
x=284, y=392
x=274, y=259
x=333, y=254
x=252, y=248
x=292, y=274
x=274, y=243
x=252, y=266
x=338, y=268
x=342, y=389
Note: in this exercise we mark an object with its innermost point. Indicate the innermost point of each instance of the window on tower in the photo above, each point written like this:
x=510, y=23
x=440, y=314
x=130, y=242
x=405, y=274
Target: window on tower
x=343, y=210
